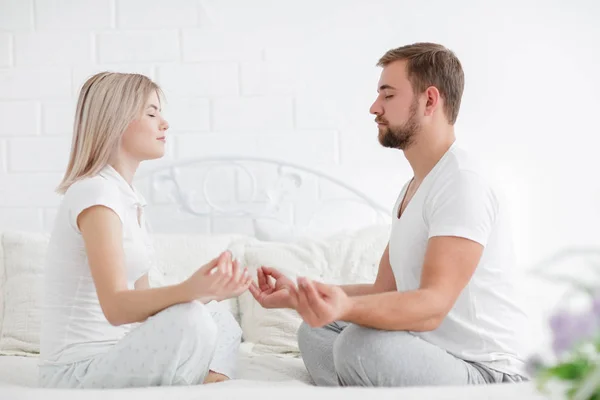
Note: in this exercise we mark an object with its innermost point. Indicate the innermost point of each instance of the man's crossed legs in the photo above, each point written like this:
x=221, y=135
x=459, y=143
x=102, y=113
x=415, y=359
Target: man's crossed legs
x=351, y=355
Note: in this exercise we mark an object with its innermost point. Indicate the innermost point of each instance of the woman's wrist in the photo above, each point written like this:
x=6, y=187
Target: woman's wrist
x=187, y=294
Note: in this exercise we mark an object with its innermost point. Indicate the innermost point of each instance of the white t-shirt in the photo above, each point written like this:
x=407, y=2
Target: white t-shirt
x=74, y=327
x=455, y=199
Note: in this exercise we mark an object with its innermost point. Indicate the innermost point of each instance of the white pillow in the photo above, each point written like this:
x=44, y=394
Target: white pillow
x=24, y=260
x=345, y=258
x=178, y=256
x=24, y=255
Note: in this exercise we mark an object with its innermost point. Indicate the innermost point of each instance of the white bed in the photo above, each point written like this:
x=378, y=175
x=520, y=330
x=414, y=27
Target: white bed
x=263, y=376
x=270, y=207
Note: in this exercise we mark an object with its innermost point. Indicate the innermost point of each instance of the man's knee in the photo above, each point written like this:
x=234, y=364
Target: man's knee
x=360, y=353
x=348, y=354
x=306, y=336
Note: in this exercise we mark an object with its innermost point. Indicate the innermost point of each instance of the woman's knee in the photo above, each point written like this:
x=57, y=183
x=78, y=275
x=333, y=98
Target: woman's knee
x=190, y=322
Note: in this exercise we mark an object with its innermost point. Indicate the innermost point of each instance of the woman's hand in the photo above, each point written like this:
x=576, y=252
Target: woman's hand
x=218, y=280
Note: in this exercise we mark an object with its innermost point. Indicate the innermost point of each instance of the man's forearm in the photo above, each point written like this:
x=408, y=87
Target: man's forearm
x=417, y=310
x=359, y=290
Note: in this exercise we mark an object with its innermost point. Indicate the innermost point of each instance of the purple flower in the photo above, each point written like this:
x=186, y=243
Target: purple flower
x=596, y=307
x=569, y=329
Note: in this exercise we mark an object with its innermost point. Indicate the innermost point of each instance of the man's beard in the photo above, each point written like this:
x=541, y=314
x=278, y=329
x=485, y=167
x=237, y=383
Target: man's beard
x=400, y=137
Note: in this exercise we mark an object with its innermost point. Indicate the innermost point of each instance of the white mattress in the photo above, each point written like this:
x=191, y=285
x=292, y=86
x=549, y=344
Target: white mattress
x=22, y=371
x=259, y=376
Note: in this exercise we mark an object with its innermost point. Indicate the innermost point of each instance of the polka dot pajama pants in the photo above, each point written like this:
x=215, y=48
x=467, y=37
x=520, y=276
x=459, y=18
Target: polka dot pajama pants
x=177, y=346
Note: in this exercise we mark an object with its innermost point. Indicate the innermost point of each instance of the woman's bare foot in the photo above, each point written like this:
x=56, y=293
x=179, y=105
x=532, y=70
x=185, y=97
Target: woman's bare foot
x=214, y=377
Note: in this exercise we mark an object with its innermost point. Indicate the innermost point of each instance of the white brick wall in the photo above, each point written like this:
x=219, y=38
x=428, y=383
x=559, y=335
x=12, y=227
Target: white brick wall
x=156, y=14
x=34, y=190
x=188, y=114
x=141, y=46
x=16, y=14
x=57, y=117
x=3, y=156
x=52, y=48
x=35, y=83
x=38, y=154
x=206, y=79
x=254, y=114
x=19, y=118
x=5, y=49
x=208, y=44
x=294, y=80
x=72, y=15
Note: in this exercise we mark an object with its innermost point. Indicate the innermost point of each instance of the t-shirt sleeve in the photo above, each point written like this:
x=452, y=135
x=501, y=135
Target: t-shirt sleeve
x=464, y=206
x=93, y=192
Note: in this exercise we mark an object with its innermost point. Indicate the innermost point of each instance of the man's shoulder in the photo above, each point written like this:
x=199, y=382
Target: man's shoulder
x=464, y=167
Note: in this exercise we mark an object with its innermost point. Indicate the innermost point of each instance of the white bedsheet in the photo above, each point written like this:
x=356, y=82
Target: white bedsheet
x=22, y=371
x=270, y=377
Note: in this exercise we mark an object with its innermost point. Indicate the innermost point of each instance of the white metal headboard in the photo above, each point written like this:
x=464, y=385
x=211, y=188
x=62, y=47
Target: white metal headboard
x=255, y=189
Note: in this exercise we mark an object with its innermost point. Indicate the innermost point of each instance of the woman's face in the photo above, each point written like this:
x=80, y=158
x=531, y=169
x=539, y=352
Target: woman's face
x=145, y=137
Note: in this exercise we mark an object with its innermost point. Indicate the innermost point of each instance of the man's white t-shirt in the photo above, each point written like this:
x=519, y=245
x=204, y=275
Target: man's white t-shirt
x=456, y=199
x=74, y=327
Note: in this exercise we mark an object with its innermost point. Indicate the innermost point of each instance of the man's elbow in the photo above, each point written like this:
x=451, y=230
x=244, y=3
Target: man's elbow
x=440, y=307
x=431, y=324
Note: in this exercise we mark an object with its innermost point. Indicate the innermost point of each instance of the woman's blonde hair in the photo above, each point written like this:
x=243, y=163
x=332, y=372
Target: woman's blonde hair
x=108, y=103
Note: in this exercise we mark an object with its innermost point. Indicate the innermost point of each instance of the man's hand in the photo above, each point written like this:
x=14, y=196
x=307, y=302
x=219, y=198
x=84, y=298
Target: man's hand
x=274, y=289
x=320, y=304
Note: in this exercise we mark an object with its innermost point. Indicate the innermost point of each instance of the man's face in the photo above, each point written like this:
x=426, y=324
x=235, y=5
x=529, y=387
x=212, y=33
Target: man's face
x=396, y=108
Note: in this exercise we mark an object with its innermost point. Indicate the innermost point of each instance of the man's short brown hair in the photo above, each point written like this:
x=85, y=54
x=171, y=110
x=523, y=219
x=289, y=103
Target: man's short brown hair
x=431, y=64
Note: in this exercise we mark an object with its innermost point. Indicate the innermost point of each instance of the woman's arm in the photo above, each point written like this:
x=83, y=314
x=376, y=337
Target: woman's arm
x=142, y=283
x=102, y=234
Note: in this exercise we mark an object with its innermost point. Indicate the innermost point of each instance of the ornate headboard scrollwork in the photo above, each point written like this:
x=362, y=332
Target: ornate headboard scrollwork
x=259, y=189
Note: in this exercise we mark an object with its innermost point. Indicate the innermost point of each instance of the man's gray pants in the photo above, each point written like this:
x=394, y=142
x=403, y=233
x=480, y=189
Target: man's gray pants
x=342, y=354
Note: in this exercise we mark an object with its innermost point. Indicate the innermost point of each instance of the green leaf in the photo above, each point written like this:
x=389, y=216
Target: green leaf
x=571, y=393
x=595, y=396
x=571, y=371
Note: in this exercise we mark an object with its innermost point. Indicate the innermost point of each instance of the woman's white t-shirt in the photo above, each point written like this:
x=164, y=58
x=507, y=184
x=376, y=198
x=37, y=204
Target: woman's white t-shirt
x=74, y=327
x=456, y=199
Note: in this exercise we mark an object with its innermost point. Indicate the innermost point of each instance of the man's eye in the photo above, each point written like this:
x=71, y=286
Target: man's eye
x=150, y=115
x=389, y=96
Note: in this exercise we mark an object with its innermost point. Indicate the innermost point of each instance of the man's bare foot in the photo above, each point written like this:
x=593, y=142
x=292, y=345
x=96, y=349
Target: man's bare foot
x=214, y=377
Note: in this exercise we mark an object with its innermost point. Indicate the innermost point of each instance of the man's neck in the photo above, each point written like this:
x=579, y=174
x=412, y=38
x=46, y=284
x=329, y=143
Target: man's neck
x=425, y=153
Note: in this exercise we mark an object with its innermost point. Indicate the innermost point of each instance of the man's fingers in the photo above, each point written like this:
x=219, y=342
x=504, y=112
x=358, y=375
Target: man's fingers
x=315, y=302
x=323, y=289
x=263, y=284
x=304, y=308
x=273, y=272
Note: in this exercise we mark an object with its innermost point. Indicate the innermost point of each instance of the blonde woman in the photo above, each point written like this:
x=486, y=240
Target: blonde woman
x=102, y=324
